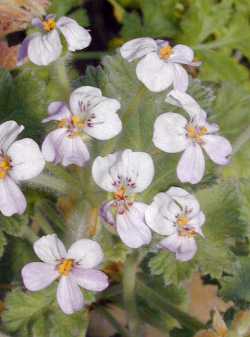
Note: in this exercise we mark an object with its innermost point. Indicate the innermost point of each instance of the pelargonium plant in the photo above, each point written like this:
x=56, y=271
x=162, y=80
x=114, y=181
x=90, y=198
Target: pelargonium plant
x=132, y=185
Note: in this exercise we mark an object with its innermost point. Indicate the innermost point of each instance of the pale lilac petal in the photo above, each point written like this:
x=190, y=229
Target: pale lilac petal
x=58, y=147
x=87, y=253
x=180, y=78
x=156, y=217
x=187, y=103
x=106, y=213
x=138, y=48
x=38, y=275
x=101, y=171
x=57, y=111
x=170, y=133
x=69, y=295
x=83, y=99
x=23, y=51
x=191, y=166
x=106, y=124
x=182, y=54
x=90, y=279
x=26, y=159
x=44, y=48
x=77, y=37
x=218, y=149
x=171, y=243
x=9, y=131
x=185, y=200
x=50, y=249
x=197, y=220
x=37, y=22
x=154, y=73
x=132, y=228
x=187, y=249
x=12, y=200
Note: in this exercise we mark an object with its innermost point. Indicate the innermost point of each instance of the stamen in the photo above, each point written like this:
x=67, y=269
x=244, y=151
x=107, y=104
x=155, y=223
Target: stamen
x=196, y=133
x=182, y=220
x=166, y=52
x=65, y=267
x=49, y=25
x=5, y=166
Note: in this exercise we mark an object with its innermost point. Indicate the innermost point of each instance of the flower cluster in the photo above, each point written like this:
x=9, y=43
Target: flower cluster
x=175, y=215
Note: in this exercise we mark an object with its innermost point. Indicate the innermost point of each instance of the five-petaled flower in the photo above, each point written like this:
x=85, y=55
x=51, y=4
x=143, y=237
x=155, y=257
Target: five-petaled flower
x=174, y=133
x=89, y=114
x=44, y=47
x=160, y=65
x=74, y=268
x=19, y=160
x=177, y=215
x=124, y=174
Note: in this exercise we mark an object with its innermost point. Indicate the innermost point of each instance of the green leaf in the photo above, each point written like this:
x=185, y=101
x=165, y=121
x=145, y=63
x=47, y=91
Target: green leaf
x=3, y=242
x=61, y=8
x=81, y=17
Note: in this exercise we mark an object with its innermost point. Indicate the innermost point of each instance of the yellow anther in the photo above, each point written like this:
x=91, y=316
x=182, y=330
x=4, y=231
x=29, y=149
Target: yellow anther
x=65, y=267
x=63, y=123
x=49, y=25
x=4, y=167
x=120, y=194
x=77, y=122
x=196, y=133
x=182, y=220
x=166, y=52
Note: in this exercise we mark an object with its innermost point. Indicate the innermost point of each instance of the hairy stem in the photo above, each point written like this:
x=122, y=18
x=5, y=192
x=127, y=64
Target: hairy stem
x=241, y=140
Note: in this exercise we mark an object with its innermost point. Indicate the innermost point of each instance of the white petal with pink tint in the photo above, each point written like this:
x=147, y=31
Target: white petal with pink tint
x=90, y=279
x=69, y=295
x=132, y=228
x=182, y=54
x=87, y=253
x=138, y=48
x=180, y=78
x=50, y=249
x=191, y=166
x=218, y=149
x=83, y=95
x=12, y=200
x=9, y=131
x=185, y=200
x=38, y=275
x=57, y=111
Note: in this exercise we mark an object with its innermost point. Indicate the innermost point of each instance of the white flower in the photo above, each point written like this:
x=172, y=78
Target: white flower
x=19, y=160
x=45, y=47
x=160, y=65
x=124, y=174
x=89, y=114
x=177, y=215
x=75, y=268
x=174, y=133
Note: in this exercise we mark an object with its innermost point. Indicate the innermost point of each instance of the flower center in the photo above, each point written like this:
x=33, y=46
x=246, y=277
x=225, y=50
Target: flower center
x=65, y=267
x=74, y=125
x=182, y=220
x=49, y=25
x=120, y=194
x=5, y=166
x=196, y=133
x=166, y=52
x=183, y=228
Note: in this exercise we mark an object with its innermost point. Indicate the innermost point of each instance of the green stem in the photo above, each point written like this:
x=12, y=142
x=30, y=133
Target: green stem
x=241, y=140
x=157, y=302
x=62, y=77
x=28, y=234
x=129, y=296
x=90, y=55
x=116, y=325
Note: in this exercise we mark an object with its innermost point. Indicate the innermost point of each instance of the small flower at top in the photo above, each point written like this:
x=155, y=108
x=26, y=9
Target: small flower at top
x=89, y=115
x=174, y=133
x=160, y=65
x=74, y=268
x=44, y=47
x=19, y=161
x=125, y=174
x=177, y=215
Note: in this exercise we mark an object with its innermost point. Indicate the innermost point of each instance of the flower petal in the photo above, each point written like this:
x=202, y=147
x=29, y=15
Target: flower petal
x=58, y=147
x=106, y=213
x=106, y=123
x=77, y=37
x=156, y=217
x=182, y=54
x=44, y=48
x=180, y=78
x=170, y=133
x=9, y=131
x=90, y=279
x=138, y=48
x=23, y=51
x=171, y=243
x=26, y=159
x=50, y=249
x=197, y=221
x=84, y=97
x=57, y=111
x=187, y=249
x=186, y=102
x=154, y=73
x=12, y=200
x=69, y=295
x=87, y=253
x=191, y=166
x=218, y=149
x=132, y=228
x=38, y=275
x=186, y=200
